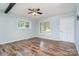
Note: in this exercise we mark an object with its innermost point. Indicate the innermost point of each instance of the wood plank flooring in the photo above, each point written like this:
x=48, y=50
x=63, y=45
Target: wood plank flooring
x=38, y=47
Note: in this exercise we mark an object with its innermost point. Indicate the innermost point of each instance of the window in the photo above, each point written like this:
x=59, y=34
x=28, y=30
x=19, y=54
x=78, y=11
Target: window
x=23, y=24
x=45, y=27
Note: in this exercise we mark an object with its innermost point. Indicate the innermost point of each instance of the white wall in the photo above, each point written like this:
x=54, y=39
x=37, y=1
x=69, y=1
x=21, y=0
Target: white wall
x=54, y=22
x=77, y=35
x=62, y=28
x=77, y=30
x=9, y=31
x=67, y=25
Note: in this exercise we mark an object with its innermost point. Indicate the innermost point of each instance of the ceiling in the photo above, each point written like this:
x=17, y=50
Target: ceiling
x=48, y=9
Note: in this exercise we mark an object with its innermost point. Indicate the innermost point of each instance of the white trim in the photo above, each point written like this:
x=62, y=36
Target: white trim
x=30, y=25
x=54, y=39
x=16, y=40
x=41, y=22
x=38, y=37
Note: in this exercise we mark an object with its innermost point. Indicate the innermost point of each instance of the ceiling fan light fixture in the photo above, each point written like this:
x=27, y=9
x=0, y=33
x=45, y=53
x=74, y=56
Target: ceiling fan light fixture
x=34, y=14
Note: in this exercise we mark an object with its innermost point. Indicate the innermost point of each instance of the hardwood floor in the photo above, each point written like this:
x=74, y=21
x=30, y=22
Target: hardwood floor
x=38, y=47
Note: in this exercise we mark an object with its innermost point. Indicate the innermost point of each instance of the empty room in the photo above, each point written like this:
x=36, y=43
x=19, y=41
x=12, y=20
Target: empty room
x=39, y=29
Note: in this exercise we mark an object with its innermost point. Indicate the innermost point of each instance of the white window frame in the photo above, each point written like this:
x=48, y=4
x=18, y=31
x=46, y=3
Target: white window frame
x=30, y=23
x=44, y=31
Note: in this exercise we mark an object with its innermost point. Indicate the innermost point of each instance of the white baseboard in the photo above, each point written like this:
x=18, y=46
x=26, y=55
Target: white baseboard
x=34, y=36
x=55, y=39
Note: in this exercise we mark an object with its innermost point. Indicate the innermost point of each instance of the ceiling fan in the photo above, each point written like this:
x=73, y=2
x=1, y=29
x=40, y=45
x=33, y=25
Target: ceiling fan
x=34, y=12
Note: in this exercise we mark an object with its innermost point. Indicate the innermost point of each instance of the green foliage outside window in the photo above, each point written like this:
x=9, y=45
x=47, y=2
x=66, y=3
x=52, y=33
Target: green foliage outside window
x=45, y=27
x=23, y=24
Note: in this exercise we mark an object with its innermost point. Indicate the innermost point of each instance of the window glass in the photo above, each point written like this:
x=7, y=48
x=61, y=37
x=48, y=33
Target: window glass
x=45, y=27
x=23, y=24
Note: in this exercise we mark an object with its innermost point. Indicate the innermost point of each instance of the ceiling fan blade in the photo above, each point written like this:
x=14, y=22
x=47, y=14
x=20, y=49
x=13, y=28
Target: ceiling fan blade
x=38, y=9
x=10, y=6
x=30, y=12
x=39, y=13
x=30, y=9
